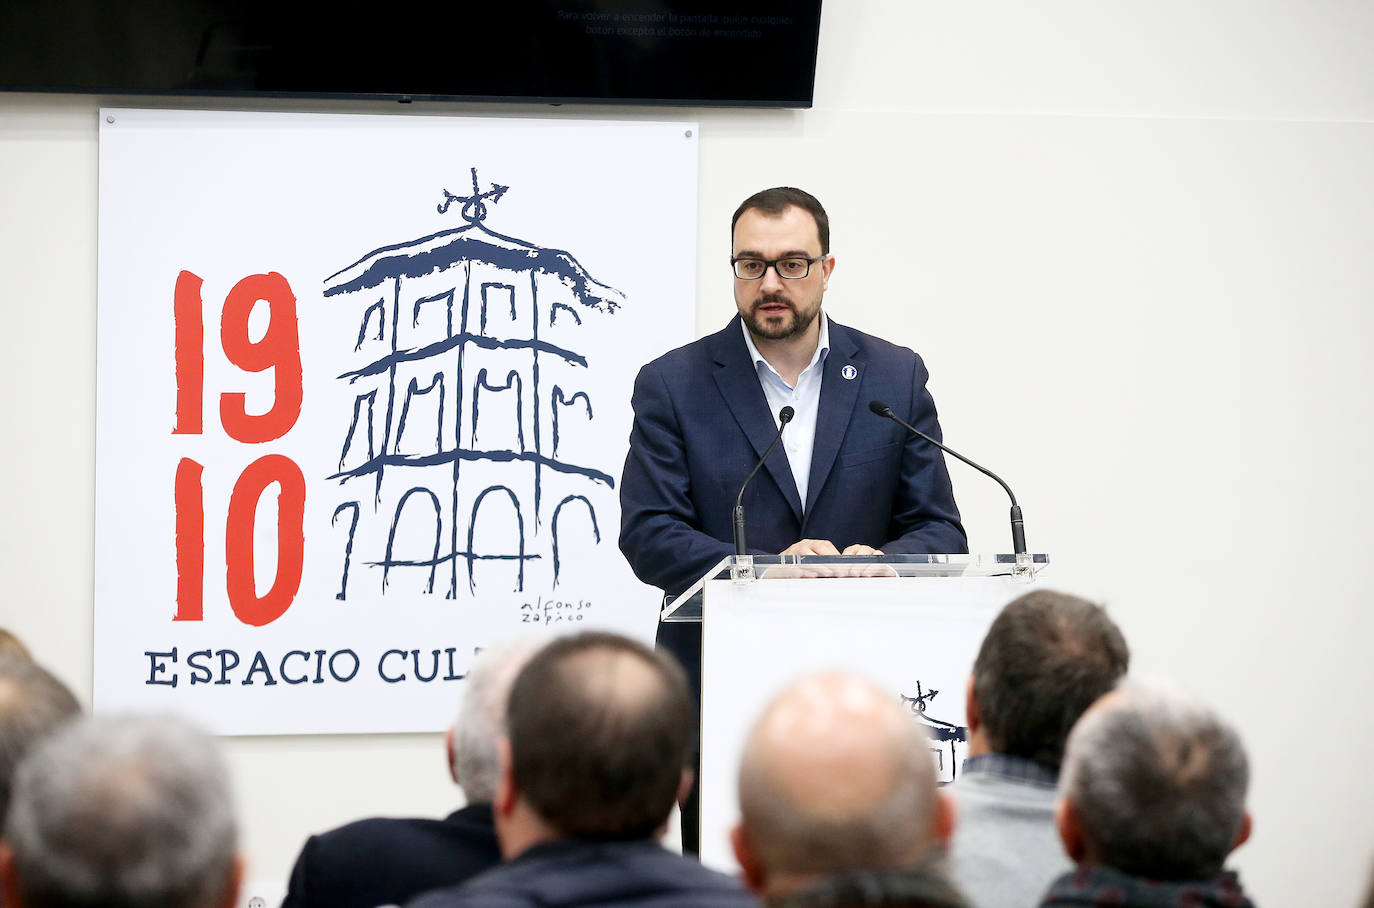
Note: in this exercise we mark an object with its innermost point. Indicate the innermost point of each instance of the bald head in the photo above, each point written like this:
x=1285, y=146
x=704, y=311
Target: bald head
x=836, y=777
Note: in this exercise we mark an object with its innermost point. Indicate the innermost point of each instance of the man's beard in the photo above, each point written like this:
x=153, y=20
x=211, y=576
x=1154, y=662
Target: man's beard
x=759, y=327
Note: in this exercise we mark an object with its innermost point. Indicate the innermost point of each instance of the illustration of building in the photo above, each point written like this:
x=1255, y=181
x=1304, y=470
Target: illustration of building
x=465, y=379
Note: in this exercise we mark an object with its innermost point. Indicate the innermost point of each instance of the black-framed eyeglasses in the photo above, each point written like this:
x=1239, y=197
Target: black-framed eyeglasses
x=793, y=267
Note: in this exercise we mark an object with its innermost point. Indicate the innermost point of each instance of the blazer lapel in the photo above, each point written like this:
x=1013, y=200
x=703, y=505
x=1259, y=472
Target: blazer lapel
x=839, y=394
x=738, y=381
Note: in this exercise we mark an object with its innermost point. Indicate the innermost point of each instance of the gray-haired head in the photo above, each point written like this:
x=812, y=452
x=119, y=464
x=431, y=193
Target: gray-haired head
x=32, y=704
x=1157, y=781
x=835, y=777
x=123, y=812
x=482, y=716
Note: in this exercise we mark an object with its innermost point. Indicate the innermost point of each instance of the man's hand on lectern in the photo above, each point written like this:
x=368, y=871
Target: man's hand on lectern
x=826, y=547
x=811, y=547
x=808, y=547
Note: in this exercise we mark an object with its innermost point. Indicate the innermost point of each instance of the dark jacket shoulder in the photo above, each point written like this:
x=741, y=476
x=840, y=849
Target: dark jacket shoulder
x=1094, y=886
x=389, y=860
x=565, y=874
x=927, y=886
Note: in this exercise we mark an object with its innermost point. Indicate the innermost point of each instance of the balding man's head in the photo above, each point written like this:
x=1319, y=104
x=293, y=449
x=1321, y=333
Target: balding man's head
x=1153, y=785
x=599, y=729
x=834, y=777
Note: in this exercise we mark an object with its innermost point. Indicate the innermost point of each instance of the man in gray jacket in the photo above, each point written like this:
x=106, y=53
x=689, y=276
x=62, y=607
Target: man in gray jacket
x=1044, y=661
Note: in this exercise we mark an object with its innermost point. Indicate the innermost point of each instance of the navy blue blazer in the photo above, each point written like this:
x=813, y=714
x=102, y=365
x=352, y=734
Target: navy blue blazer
x=567, y=873
x=387, y=861
x=701, y=422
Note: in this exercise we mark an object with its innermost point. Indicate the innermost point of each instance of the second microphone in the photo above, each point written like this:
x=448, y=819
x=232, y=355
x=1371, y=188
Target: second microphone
x=741, y=548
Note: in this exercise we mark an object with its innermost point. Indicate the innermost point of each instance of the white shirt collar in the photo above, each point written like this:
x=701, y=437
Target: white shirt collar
x=822, y=346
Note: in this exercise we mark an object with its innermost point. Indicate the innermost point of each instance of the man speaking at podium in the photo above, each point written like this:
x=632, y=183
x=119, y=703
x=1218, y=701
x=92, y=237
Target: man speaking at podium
x=845, y=482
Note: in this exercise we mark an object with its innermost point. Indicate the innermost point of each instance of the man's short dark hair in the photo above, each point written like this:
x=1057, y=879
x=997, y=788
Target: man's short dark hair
x=599, y=729
x=1044, y=661
x=1158, y=781
x=775, y=201
x=32, y=703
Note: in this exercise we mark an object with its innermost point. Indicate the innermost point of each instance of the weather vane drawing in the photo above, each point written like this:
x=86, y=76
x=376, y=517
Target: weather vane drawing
x=474, y=210
x=939, y=731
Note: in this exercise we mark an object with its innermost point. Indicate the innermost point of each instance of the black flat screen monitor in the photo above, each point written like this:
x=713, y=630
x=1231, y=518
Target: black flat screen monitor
x=731, y=53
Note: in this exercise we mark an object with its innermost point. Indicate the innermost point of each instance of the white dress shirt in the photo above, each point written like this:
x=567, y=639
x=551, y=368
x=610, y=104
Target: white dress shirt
x=800, y=436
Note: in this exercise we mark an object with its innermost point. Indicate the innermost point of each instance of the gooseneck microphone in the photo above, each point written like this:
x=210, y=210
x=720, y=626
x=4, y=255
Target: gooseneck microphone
x=1018, y=527
x=784, y=417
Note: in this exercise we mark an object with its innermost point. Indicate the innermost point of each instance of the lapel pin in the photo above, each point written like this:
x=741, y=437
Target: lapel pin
x=849, y=373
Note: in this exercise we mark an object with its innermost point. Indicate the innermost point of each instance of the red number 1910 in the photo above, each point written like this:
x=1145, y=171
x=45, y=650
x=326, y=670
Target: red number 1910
x=278, y=350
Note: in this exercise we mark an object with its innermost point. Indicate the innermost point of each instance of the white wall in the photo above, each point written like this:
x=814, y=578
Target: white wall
x=1131, y=240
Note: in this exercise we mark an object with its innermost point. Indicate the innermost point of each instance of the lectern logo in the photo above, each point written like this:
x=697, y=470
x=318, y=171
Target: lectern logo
x=948, y=741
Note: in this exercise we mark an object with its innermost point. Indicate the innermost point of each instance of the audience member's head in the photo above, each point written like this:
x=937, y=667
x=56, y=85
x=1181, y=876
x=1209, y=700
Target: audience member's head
x=1044, y=661
x=121, y=813
x=10, y=645
x=835, y=777
x=32, y=703
x=472, y=741
x=1153, y=786
x=598, y=730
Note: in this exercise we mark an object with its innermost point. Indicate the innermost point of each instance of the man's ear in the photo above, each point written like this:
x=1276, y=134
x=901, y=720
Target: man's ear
x=1246, y=827
x=231, y=892
x=975, y=721
x=1070, y=830
x=749, y=864
x=452, y=763
x=506, y=795
x=943, y=818
x=684, y=785
x=9, y=882
x=827, y=268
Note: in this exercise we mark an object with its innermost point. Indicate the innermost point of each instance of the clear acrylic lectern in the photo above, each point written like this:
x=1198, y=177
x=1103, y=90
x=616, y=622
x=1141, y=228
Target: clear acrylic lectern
x=912, y=623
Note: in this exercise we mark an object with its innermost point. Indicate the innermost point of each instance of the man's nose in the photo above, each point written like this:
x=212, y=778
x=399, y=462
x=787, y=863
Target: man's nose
x=771, y=280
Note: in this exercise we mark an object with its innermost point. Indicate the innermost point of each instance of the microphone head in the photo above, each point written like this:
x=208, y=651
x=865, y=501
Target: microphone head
x=785, y=415
x=880, y=408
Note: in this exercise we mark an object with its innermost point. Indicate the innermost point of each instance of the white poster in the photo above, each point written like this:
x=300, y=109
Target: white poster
x=364, y=401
